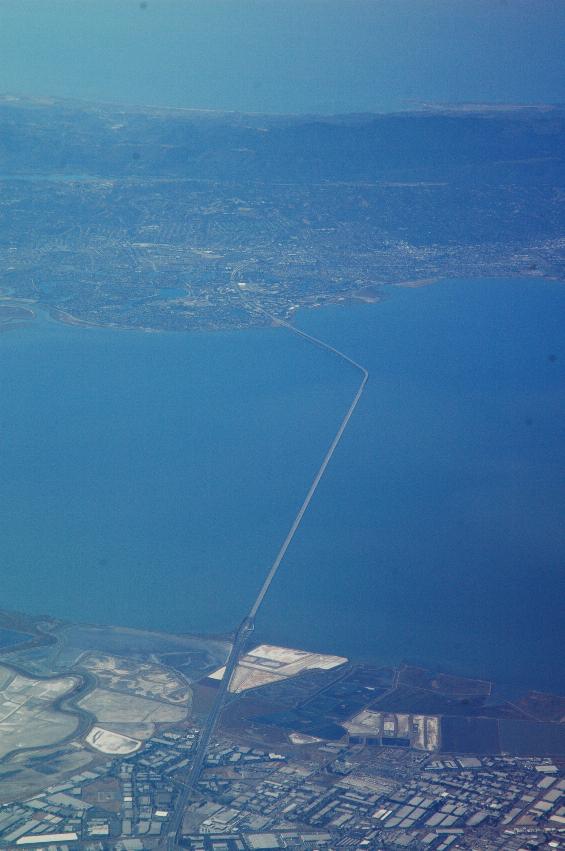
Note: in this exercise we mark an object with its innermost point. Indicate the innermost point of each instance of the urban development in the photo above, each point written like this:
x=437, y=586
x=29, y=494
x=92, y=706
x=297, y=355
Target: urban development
x=177, y=220
x=99, y=727
x=147, y=219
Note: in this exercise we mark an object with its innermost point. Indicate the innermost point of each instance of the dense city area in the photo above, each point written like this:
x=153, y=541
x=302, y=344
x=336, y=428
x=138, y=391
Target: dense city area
x=313, y=751
x=150, y=219
x=335, y=796
x=324, y=795
x=178, y=220
x=283, y=377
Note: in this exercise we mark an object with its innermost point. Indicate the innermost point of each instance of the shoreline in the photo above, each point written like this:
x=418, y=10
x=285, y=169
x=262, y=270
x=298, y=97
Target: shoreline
x=37, y=635
x=373, y=295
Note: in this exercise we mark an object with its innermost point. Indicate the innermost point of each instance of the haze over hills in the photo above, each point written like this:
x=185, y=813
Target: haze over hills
x=148, y=218
x=50, y=135
x=400, y=164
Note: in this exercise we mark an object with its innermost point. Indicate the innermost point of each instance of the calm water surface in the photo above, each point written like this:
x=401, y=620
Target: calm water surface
x=148, y=479
x=288, y=56
x=8, y=637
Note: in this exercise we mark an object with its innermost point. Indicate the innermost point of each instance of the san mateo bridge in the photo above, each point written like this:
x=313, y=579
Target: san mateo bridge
x=247, y=625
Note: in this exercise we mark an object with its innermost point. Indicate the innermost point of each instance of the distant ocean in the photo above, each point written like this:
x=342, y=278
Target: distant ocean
x=148, y=479
x=285, y=55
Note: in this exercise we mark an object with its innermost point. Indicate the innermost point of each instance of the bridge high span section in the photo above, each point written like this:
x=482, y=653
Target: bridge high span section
x=246, y=627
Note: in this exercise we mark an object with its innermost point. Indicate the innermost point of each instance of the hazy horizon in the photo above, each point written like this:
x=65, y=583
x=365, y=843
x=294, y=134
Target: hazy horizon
x=319, y=56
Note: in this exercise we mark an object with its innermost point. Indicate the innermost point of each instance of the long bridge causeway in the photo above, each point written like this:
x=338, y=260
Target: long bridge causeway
x=247, y=625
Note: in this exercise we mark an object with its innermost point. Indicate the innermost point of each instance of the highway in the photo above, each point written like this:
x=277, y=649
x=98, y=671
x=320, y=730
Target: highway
x=322, y=468
x=241, y=636
x=247, y=625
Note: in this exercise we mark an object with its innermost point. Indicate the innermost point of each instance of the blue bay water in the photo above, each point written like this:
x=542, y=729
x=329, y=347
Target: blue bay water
x=148, y=479
x=8, y=637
